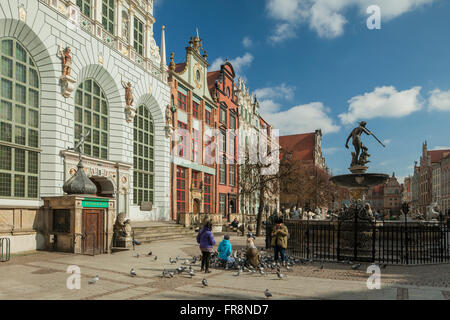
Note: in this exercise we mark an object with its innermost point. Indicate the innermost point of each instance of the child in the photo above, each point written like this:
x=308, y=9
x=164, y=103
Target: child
x=224, y=250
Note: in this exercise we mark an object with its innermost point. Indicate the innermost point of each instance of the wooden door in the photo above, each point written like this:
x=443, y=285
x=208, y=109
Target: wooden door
x=196, y=208
x=93, y=231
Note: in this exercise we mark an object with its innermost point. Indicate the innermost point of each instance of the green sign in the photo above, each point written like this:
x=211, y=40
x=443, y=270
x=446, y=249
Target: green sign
x=94, y=203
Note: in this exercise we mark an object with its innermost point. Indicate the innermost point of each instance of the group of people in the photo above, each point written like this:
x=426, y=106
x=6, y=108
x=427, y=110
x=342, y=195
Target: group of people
x=206, y=241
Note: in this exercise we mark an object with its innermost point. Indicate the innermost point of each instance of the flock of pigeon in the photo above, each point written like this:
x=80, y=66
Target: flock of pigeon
x=267, y=265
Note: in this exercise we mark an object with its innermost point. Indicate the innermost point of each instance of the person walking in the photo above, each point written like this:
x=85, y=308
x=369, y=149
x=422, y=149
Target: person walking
x=206, y=240
x=224, y=250
x=280, y=235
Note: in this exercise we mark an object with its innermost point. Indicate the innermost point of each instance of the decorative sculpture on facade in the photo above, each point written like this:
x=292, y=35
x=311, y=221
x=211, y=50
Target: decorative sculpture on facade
x=130, y=111
x=67, y=82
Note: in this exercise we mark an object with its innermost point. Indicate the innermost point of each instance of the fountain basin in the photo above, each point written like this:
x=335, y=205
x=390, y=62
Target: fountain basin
x=360, y=180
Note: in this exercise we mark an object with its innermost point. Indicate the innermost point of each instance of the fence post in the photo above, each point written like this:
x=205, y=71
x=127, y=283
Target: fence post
x=338, y=249
x=406, y=241
x=307, y=240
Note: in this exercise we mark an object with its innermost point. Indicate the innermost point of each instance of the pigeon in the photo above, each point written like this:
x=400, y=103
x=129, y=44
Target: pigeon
x=191, y=273
x=267, y=294
x=204, y=282
x=171, y=274
x=94, y=280
x=164, y=273
x=156, y=258
x=137, y=255
x=261, y=271
x=288, y=268
x=194, y=259
x=280, y=275
x=132, y=273
x=356, y=266
x=150, y=253
x=172, y=261
x=239, y=272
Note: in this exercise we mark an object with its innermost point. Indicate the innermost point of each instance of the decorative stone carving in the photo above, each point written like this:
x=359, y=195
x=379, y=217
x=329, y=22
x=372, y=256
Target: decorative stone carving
x=170, y=110
x=122, y=232
x=130, y=111
x=67, y=82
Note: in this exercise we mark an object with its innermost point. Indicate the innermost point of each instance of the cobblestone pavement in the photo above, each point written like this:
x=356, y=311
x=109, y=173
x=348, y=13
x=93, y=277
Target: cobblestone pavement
x=43, y=275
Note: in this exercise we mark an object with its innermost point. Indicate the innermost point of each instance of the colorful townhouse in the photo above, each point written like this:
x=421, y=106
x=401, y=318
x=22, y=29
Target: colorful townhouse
x=190, y=123
x=224, y=92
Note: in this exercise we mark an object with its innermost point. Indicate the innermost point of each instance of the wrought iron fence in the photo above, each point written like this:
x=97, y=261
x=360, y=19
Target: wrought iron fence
x=384, y=242
x=5, y=249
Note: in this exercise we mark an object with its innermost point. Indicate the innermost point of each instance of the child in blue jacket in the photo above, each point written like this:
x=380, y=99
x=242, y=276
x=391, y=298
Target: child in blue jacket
x=224, y=249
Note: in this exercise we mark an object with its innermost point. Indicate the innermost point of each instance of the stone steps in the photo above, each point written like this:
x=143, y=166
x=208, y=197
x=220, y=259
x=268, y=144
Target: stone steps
x=146, y=232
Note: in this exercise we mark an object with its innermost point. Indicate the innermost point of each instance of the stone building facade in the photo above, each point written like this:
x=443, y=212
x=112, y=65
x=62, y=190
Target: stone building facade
x=223, y=90
x=127, y=151
x=192, y=118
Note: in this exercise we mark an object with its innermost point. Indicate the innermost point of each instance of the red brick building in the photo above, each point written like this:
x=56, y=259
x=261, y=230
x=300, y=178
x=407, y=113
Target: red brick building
x=223, y=90
x=190, y=120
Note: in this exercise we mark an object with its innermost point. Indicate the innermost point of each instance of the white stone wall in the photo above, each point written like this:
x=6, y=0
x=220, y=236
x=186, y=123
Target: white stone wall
x=41, y=33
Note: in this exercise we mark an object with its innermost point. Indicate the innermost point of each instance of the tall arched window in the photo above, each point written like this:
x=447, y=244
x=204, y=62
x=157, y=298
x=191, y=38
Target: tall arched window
x=143, y=150
x=91, y=114
x=19, y=122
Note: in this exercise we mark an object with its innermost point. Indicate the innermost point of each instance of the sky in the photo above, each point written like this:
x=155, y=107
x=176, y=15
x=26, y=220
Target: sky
x=315, y=64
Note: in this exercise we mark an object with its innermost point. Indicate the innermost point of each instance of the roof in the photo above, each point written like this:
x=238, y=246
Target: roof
x=212, y=77
x=438, y=155
x=180, y=67
x=301, y=145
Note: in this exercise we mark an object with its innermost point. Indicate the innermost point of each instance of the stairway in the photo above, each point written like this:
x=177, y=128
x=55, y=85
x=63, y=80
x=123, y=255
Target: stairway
x=146, y=232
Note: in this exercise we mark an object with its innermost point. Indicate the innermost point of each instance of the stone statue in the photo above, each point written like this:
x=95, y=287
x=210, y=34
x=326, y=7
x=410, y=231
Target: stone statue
x=169, y=116
x=66, y=59
x=433, y=214
x=122, y=231
x=128, y=93
x=359, y=160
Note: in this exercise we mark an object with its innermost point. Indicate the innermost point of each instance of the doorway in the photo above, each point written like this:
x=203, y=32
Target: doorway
x=92, y=231
x=196, y=206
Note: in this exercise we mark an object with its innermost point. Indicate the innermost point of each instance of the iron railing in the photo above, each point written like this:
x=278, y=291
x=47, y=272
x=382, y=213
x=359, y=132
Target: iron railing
x=5, y=249
x=384, y=242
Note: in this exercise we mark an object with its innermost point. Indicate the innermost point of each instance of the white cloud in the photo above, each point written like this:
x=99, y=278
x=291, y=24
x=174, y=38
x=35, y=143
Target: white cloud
x=247, y=42
x=387, y=141
x=441, y=148
x=326, y=17
x=382, y=102
x=302, y=118
x=439, y=100
x=282, y=91
x=269, y=106
x=238, y=63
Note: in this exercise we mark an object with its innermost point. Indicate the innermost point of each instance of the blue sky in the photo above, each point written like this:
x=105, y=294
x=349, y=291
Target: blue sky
x=315, y=64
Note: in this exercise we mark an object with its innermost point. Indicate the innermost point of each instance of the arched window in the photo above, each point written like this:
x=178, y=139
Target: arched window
x=91, y=114
x=143, y=150
x=19, y=122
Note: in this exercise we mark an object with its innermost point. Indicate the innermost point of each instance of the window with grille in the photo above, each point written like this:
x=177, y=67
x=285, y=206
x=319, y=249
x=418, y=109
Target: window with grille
x=223, y=171
x=108, y=15
x=195, y=176
x=139, y=36
x=91, y=115
x=232, y=171
x=181, y=189
x=208, y=117
x=223, y=115
x=232, y=121
x=85, y=7
x=223, y=204
x=207, y=195
x=196, y=149
x=182, y=104
x=182, y=139
x=19, y=122
x=209, y=150
x=196, y=110
x=143, y=151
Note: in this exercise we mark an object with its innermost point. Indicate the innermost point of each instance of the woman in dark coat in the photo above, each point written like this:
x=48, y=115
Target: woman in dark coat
x=206, y=240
